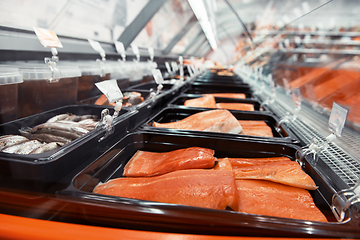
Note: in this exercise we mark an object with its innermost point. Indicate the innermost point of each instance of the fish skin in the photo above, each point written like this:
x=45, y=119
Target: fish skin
x=14, y=148
x=45, y=137
x=45, y=148
x=11, y=140
x=285, y=172
x=194, y=187
x=236, y=106
x=207, y=101
x=277, y=200
x=23, y=148
x=146, y=164
x=214, y=121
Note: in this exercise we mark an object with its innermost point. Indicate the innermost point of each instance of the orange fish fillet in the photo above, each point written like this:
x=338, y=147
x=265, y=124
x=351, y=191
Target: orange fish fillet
x=245, y=162
x=278, y=200
x=207, y=102
x=236, y=106
x=223, y=164
x=145, y=164
x=195, y=187
x=256, y=128
x=285, y=172
x=228, y=95
x=214, y=121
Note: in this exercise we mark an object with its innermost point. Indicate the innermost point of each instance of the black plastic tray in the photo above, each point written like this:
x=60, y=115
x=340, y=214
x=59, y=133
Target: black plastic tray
x=221, y=80
x=172, y=114
x=201, y=88
x=53, y=165
x=180, y=100
x=148, y=86
x=155, y=216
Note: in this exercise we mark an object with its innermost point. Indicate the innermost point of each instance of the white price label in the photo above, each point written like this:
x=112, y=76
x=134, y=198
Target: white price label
x=174, y=66
x=167, y=65
x=48, y=38
x=97, y=47
x=296, y=96
x=110, y=89
x=120, y=49
x=337, y=119
x=157, y=76
x=151, y=53
x=136, y=51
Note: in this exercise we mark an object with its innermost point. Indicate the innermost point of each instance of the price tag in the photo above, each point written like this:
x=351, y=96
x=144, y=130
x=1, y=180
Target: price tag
x=167, y=65
x=110, y=89
x=136, y=51
x=97, y=47
x=337, y=119
x=157, y=76
x=48, y=38
x=296, y=96
x=120, y=49
x=151, y=53
x=190, y=71
x=174, y=66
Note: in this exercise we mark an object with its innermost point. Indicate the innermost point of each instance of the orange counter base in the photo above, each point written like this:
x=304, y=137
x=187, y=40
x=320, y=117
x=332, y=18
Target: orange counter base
x=13, y=227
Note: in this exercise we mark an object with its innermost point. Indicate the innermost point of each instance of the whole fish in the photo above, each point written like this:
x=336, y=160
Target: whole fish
x=60, y=133
x=23, y=148
x=11, y=140
x=44, y=137
x=65, y=126
x=58, y=118
x=46, y=147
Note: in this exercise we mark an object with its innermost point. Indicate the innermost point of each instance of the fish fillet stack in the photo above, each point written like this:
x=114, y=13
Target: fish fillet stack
x=56, y=132
x=221, y=121
x=264, y=186
x=208, y=101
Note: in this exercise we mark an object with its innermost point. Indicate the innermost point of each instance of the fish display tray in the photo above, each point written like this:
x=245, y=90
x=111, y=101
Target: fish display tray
x=202, y=88
x=221, y=80
x=53, y=165
x=180, y=100
x=173, y=113
x=137, y=214
x=148, y=86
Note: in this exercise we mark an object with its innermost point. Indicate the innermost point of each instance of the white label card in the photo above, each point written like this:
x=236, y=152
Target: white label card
x=174, y=66
x=97, y=47
x=111, y=90
x=157, y=76
x=48, y=38
x=120, y=48
x=296, y=96
x=167, y=65
x=135, y=49
x=337, y=119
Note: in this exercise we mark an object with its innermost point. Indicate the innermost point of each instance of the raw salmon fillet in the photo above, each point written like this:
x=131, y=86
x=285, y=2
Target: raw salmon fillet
x=228, y=95
x=278, y=200
x=236, y=106
x=213, y=121
x=285, y=172
x=206, y=102
x=223, y=164
x=145, y=164
x=256, y=128
x=195, y=187
x=245, y=162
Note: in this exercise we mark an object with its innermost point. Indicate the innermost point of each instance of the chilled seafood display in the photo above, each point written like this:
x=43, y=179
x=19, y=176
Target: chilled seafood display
x=228, y=95
x=54, y=133
x=274, y=186
x=145, y=164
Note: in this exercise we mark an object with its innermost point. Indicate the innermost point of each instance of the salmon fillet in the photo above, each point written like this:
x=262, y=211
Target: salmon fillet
x=245, y=162
x=223, y=164
x=145, y=164
x=256, y=128
x=228, y=95
x=206, y=102
x=278, y=200
x=285, y=172
x=213, y=121
x=195, y=187
x=236, y=106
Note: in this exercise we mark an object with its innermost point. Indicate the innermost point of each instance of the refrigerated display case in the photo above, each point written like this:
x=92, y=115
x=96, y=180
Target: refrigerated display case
x=286, y=61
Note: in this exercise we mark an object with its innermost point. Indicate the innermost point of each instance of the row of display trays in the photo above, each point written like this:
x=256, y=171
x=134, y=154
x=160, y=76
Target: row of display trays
x=69, y=174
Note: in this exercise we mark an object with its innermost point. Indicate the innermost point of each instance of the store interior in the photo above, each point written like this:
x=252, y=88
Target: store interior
x=201, y=119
